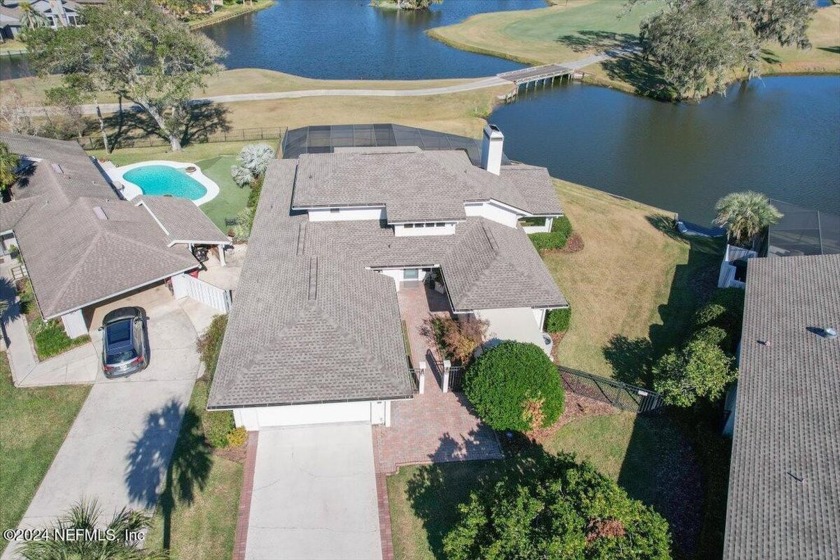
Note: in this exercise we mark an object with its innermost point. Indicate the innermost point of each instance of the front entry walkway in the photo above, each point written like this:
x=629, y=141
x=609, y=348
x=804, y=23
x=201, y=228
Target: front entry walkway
x=433, y=427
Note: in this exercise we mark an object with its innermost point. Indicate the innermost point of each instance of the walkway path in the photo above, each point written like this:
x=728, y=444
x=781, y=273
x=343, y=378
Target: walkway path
x=478, y=83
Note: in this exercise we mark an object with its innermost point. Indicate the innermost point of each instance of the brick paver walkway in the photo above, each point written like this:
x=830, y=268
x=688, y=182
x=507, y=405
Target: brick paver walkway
x=433, y=427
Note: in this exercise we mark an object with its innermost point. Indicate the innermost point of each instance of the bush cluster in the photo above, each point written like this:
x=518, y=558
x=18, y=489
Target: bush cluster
x=560, y=509
x=508, y=382
x=557, y=320
x=218, y=426
x=561, y=229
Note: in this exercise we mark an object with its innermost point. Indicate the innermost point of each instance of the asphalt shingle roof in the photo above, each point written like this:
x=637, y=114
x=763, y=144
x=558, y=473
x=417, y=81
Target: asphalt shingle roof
x=419, y=186
x=311, y=323
x=170, y=213
x=80, y=241
x=784, y=484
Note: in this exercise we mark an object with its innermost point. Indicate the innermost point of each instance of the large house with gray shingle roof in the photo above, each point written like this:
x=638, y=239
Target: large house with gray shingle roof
x=784, y=482
x=314, y=334
x=81, y=243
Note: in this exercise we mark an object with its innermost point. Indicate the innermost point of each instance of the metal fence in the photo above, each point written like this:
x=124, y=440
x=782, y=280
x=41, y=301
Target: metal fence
x=275, y=135
x=616, y=393
x=456, y=379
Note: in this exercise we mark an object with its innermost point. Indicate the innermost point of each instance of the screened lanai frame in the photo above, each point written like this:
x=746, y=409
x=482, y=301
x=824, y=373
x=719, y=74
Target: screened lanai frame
x=803, y=231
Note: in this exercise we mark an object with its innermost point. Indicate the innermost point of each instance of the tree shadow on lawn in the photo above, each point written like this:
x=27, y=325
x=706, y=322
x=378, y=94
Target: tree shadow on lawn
x=627, y=63
x=149, y=462
x=202, y=120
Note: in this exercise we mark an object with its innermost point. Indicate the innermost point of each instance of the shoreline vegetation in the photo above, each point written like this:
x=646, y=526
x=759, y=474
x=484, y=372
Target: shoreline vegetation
x=578, y=28
x=224, y=13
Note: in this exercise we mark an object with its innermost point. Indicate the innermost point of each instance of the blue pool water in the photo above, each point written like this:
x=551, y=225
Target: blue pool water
x=160, y=180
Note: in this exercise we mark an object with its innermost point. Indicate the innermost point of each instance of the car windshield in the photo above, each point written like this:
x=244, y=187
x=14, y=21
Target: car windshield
x=118, y=344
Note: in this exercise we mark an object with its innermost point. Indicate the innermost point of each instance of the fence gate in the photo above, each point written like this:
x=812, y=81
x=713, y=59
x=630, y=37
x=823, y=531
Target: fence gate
x=185, y=285
x=617, y=393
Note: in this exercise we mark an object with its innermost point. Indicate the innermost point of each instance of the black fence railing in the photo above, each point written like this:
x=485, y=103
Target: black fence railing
x=273, y=135
x=456, y=379
x=617, y=393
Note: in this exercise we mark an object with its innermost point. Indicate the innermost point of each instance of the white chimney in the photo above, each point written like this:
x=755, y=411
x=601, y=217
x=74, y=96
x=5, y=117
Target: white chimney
x=491, y=149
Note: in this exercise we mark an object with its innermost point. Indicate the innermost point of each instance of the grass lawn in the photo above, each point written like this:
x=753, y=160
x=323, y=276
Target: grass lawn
x=200, y=523
x=232, y=198
x=574, y=29
x=192, y=153
x=633, y=288
x=33, y=425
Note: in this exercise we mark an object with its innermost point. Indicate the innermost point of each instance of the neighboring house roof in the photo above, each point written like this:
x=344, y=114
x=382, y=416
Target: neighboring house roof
x=306, y=329
x=419, y=185
x=311, y=323
x=169, y=213
x=784, y=484
x=80, y=241
x=9, y=15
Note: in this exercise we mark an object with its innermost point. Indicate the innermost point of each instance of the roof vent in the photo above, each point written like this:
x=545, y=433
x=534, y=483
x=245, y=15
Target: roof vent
x=100, y=213
x=830, y=332
x=57, y=168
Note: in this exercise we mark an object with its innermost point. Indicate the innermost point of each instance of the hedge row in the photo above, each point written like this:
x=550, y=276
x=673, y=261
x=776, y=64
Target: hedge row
x=561, y=229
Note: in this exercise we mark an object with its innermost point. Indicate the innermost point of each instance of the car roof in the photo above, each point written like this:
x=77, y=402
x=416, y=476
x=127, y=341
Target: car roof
x=121, y=313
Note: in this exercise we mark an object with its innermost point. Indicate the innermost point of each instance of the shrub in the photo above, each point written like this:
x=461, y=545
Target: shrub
x=504, y=381
x=560, y=509
x=254, y=195
x=210, y=343
x=561, y=229
x=725, y=310
x=699, y=370
x=711, y=335
x=237, y=437
x=557, y=320
x=244, y=224
x=50, y=339
x=709, y=314
x=217, y=426
x=457, y=339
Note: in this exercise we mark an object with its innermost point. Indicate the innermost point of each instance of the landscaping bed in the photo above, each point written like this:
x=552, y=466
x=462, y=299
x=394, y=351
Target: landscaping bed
x=33, y=425
x=48, y=337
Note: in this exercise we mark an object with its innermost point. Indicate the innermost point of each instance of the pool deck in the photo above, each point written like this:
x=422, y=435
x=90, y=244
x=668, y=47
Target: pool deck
x=130, y=190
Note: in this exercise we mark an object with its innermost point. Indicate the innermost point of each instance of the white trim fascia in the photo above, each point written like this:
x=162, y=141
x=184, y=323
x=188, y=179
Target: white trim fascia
x=149, y=210
x=445, y=220
x=340, y=207
x=197, y=242
x=121, y=292
x=514, y=209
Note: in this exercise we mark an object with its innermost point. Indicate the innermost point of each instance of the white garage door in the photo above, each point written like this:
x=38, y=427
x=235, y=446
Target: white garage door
x=372, y=412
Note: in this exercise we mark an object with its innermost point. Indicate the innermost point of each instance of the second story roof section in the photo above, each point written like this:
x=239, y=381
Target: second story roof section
x=435, y=189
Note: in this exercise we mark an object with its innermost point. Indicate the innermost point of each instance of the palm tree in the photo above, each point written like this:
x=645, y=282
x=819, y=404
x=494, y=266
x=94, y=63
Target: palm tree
x=745, y=215
x=31, y=18
x=119, y=540
x=8, y=166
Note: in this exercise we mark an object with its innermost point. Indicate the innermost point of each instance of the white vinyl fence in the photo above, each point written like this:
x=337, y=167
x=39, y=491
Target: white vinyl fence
x=185, y=285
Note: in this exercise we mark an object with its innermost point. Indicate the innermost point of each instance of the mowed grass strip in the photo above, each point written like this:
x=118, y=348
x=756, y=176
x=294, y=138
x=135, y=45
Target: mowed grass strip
x=232, y=198
x=33, y=425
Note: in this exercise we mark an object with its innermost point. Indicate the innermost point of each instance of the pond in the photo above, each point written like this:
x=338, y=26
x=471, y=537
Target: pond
x=349, y=39
x=779, y=135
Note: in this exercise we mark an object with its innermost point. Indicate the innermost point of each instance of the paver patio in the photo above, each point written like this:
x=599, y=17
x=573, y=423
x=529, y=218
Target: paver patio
x=435, y=426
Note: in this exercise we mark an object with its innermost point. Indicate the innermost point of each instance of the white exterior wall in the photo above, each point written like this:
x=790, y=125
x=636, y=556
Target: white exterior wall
x=401, y=231
x=546, y=228
x=347, y=214
x=184, y=285
x=539, y=315
x=398, y=275
x=74, y=324
x=492, y=211
x=252, y=419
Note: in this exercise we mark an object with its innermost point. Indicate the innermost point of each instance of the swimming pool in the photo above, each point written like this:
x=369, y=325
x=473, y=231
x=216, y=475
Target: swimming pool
x=161, y=180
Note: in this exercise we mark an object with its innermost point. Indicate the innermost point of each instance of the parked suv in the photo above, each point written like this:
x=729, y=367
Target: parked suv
x=125, y=345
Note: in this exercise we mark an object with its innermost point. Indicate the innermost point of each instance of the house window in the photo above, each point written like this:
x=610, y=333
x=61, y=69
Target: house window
x=411, y=274
x=440, y=224
x=421, y=224
x=335, y=210
x=408, y=226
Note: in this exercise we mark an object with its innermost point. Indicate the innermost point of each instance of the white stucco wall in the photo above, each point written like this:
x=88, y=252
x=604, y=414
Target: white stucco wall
x=347, y=214
x=492, y=211
x=74, y=324
x=518, y=323
x=399, y=276
x=545, y=228
x=252, y=419
x=401, y=231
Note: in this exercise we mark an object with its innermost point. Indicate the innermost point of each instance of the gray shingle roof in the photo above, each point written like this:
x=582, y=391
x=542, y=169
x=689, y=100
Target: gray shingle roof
x=81, y=242
x=182, y=220
x=418, y=186
x=304, y=328
x=310, y=323
x=784, y=486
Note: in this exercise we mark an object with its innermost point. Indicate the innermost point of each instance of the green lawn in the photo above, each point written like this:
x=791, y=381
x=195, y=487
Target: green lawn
x=33, y=425
x=191, y=153
x=197, y=519
x=232, y=198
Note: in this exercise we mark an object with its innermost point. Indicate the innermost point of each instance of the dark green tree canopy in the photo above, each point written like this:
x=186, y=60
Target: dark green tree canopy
x=698, y=44
x=514, y=386
x=133, y=49
x=557, y=509
x=701, y=369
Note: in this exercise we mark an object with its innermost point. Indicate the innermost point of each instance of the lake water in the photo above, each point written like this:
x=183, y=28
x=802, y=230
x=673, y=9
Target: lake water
x=779, y=135
x=349, y=39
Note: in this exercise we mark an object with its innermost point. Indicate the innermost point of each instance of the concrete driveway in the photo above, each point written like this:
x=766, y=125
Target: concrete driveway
x=314, y=495
x=120, y=444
